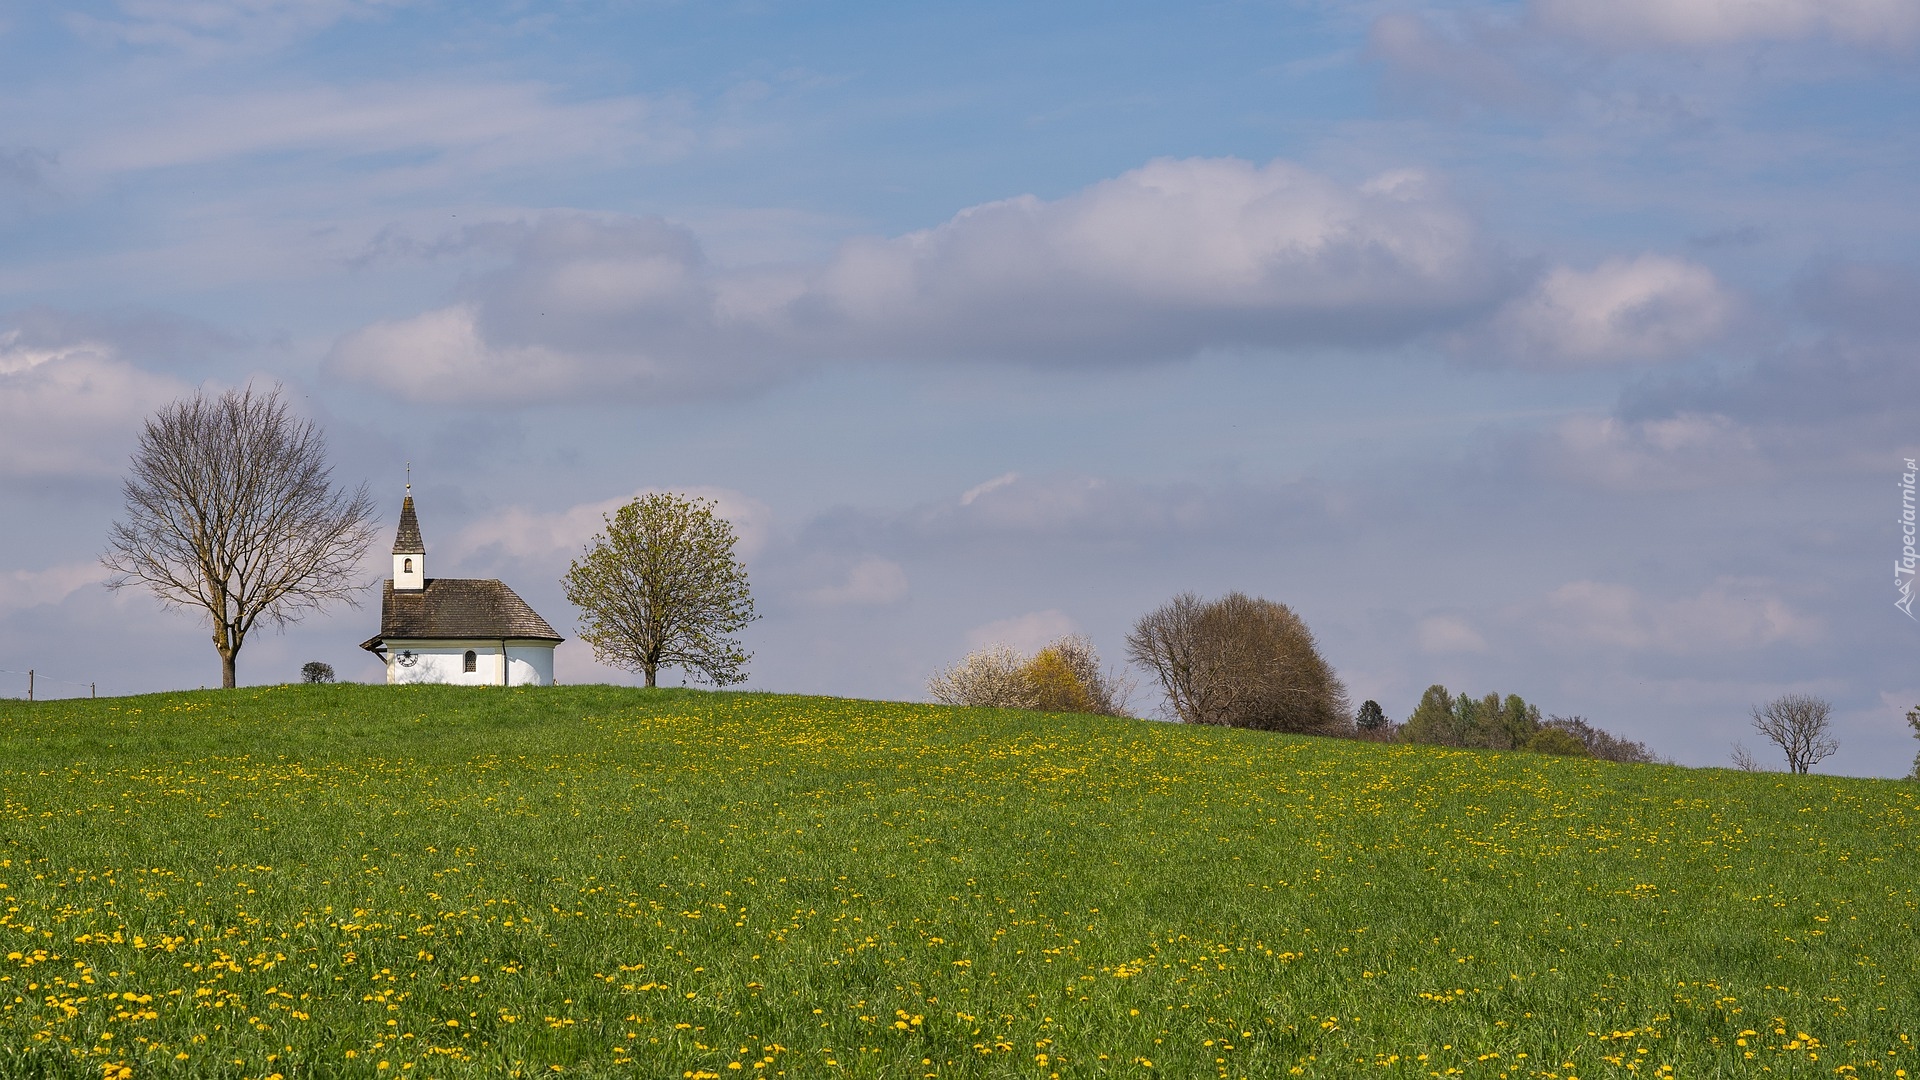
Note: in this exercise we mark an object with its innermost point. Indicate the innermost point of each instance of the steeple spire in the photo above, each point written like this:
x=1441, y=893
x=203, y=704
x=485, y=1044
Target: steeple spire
x=409, y=550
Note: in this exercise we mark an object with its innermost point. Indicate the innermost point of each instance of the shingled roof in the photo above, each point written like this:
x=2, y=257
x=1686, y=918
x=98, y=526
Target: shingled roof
x=458, y=608
x=407, y=541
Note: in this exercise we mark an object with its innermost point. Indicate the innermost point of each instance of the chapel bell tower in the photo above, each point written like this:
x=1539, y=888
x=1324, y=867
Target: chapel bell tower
x=409, y=551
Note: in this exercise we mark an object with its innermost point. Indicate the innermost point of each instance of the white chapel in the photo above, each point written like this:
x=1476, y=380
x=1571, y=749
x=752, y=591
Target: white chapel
x=462, y=631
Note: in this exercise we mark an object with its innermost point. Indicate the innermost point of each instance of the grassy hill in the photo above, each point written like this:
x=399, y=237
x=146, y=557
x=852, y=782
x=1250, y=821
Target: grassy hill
x=365, y=881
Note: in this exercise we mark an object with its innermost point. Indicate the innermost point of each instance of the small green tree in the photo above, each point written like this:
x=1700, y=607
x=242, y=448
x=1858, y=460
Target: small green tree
x=315, y=671
x=1371, y=716
x=1913, y=721
x=1434, y=720
x=661, y=588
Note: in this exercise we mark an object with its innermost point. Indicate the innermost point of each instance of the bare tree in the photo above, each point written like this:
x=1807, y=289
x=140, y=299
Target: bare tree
x=661, y=587
x=1240, y=661
x=1801, y=726
x=230, y=508
x=1744, y=760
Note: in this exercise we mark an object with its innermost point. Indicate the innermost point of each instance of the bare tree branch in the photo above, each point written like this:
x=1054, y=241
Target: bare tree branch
x=230, y=509
x=1801, y=726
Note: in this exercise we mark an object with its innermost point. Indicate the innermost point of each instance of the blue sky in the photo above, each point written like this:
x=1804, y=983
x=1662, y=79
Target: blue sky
x=1560, y=348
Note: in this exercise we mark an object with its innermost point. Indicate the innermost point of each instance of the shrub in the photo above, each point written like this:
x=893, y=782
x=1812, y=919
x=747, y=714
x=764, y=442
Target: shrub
x=992, y=678
x=1553, y=740
x=1602, y=744
x=1063, y=677
x=313, y=671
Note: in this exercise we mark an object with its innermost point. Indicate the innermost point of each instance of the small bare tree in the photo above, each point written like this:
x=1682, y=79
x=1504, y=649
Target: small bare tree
x=1801, y=726
x=1744, y=760
x=1240, y=661
x=230, y=508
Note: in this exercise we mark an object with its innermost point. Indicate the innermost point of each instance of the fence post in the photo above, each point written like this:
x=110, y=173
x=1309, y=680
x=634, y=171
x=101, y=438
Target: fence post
x=93, y=690
x=29, y=684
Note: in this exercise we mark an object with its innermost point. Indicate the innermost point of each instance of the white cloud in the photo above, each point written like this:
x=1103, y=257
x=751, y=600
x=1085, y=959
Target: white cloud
x=72, y=407
x=872, y=582
x=1718, y=22
x=1680, y=452
x=1027, y=633
x=472, y=125
x=1624, y=311
x=1162, y=262
x=994, y=484
x=21, y=589
x=442, y=355
x=213, y=27
x=1729, y=616
x=1438, y=634
x=560, y=535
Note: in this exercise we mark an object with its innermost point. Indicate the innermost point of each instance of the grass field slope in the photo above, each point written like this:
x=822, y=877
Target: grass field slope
x=589, y=881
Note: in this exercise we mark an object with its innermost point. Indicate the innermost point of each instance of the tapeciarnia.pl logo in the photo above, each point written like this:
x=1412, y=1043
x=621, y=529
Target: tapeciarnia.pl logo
x=1903, y=567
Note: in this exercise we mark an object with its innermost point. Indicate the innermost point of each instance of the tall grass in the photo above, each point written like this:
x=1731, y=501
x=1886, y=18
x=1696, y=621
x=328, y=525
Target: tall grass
x=373, y=881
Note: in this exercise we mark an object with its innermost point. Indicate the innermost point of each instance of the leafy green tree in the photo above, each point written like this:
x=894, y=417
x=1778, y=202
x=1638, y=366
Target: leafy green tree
x=1433, y=720
x=1913, y=721
x=661, y=587
x=1371, y=716
x=1490, y=722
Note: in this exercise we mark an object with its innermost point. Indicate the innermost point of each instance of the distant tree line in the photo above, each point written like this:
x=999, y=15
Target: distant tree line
x=1249, y=662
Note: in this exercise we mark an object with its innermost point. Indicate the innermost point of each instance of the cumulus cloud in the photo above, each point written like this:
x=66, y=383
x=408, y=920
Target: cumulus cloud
x=21, y=589
x=1721, y=22
x=1027, y=633
x=1623, y=311
x=1686, y=451
x=1728, y=616
x=557, y=536
x=71, y=405
x=871, y=582
x=1438, y=634
x=1162, y=262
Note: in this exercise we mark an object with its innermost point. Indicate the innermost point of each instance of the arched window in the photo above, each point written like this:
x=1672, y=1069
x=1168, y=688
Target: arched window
x=472, y=661
x=406, y=566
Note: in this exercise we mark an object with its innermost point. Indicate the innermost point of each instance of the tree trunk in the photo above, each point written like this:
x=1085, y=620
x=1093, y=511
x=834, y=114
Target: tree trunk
x=650, y=673
x=226, y=669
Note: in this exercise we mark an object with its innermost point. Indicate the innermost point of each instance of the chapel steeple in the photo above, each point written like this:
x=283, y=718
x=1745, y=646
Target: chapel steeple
x=409, y=551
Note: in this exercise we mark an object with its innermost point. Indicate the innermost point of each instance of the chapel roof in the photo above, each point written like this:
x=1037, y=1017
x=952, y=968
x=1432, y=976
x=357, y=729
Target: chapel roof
x=407, y=541
x=458, y=608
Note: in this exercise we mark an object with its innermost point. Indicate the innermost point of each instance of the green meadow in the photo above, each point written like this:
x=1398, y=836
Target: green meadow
x=589, y=881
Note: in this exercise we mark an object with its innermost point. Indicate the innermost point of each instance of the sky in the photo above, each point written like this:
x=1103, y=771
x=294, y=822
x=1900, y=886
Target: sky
x=1562, y=347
